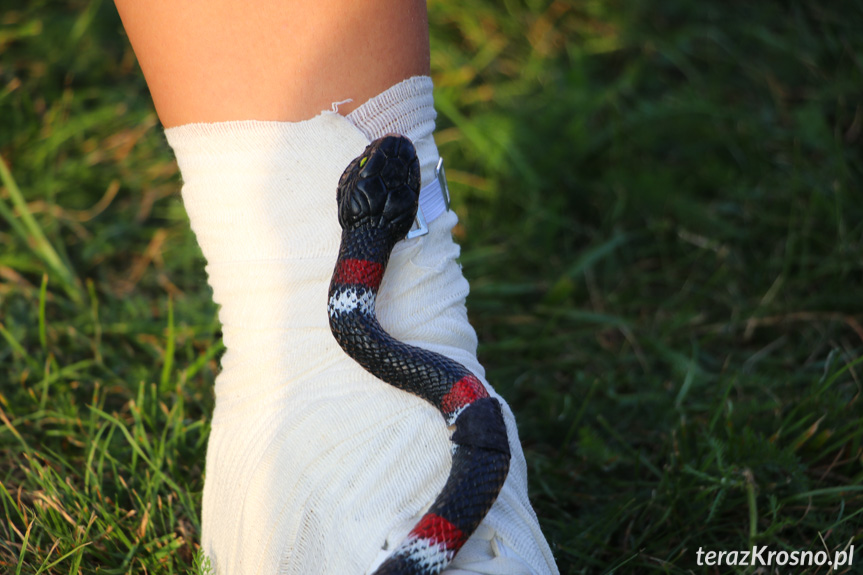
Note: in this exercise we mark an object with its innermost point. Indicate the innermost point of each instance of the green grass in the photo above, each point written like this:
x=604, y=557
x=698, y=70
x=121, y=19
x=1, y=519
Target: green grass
x=662, y=221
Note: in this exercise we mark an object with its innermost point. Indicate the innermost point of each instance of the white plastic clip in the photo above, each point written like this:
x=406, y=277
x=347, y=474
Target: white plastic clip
x=440, y=174
x=429, y=198
x=422, y=227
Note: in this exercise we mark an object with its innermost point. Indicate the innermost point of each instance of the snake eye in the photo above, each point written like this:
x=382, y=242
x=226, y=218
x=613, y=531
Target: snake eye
x=363, y=161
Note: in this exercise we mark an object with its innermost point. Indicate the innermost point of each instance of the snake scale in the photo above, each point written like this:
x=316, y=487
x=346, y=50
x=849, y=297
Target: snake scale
x=377, y=202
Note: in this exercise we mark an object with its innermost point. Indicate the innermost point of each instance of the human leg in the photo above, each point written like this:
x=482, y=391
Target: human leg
x=223, y=60
x=313, y=466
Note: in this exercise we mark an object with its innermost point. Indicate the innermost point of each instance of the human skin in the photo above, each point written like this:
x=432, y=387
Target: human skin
x=225, y=60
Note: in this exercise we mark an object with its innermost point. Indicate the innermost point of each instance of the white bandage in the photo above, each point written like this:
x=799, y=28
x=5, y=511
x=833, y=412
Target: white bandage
x=314, y=465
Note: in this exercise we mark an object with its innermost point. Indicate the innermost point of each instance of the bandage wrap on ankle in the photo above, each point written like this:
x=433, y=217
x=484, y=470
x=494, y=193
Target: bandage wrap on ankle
x=313, y=465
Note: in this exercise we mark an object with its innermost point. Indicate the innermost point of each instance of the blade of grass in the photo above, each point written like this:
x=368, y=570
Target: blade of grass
x=16, y=345
x=43, y=290
x=75, y=549
x=97, y=326
x=34, y=237
x=24, y=547
x=169, y=348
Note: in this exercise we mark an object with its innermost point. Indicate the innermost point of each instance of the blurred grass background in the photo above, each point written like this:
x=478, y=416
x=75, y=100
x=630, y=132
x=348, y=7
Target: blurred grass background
x=662, y=220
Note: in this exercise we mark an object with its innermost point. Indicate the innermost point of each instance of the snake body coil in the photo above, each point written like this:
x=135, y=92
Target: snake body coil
x=377, y=198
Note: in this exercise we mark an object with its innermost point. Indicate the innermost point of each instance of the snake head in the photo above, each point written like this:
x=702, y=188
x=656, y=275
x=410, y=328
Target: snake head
x=380, y=188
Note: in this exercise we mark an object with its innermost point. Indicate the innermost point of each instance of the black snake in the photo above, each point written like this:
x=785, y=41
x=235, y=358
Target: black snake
x=377, y=203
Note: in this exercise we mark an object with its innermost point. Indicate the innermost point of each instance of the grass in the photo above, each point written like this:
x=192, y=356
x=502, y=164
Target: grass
x=661, y=219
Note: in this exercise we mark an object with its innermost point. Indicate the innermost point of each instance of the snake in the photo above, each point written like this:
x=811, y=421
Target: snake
x=377, y=198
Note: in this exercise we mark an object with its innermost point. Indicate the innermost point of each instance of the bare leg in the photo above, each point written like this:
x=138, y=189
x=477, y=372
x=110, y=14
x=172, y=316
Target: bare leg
x=222, y=60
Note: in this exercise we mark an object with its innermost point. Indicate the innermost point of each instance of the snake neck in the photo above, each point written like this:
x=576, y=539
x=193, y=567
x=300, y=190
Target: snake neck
x=363, y=257
x=362, y=260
